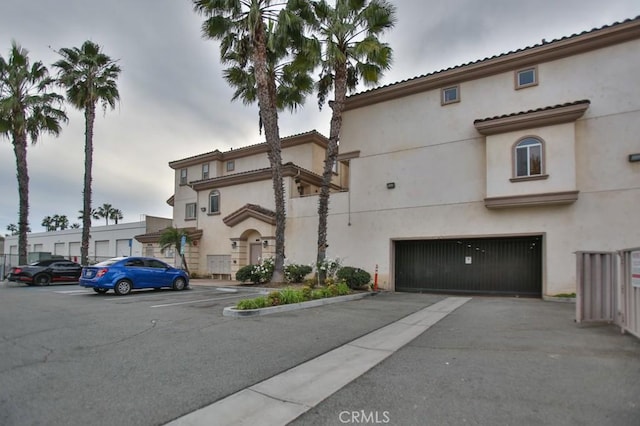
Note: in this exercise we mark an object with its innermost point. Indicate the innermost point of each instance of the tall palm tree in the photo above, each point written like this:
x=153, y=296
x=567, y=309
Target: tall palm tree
x=89, y=77
x=172, y=238
x=348, y=51
x=116, y=215
x=105, y=211
x=60, y=221
x=47, y=223
x=27, y=109
x=252, y=35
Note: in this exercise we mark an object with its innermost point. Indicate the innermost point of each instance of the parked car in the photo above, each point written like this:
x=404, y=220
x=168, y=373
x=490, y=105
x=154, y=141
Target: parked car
x=123, y=274
x=44, y=272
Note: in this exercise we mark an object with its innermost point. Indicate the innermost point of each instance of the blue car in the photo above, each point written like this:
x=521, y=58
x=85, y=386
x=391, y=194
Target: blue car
x=123, y=274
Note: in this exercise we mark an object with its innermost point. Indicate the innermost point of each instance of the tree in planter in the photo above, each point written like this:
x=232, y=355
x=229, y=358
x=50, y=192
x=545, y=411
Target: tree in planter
x=348, y=51
x=89, y=77
x=172, y=238
x=255, y=35
x=27, y=109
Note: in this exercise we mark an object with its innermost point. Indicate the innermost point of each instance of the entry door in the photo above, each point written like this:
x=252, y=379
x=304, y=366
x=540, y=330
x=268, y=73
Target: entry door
x=255, y=253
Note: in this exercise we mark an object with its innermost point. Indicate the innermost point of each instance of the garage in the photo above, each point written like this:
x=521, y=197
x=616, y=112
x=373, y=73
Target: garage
x=493, y=266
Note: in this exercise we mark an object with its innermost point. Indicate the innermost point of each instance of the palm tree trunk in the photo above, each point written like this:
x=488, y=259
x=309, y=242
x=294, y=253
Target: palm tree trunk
x=269, y=114
x=89, y=115
x=340, y=93
x=20, y=150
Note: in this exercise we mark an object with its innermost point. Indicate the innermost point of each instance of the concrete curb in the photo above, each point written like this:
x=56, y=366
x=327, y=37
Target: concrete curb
x=238, y=313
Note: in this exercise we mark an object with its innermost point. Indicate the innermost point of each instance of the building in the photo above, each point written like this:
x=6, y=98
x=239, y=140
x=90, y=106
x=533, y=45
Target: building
x=225, y=201
x=106, y=241
x=483, y=178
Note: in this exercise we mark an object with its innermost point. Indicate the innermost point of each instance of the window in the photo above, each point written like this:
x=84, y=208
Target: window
x=183, y=176
x=450, y=95
x=214, y=202
x=528, y=157
x=190, y=212
x=526, y=78
x=231, y=165
x=205, y=171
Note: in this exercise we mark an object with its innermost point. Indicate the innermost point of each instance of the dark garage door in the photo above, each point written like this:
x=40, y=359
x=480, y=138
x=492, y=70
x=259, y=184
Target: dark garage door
x=501, y=266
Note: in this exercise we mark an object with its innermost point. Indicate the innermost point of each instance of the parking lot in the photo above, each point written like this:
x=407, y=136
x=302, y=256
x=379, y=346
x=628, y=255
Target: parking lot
x=69, y=356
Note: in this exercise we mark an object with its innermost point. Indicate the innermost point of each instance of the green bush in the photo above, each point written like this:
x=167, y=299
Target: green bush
x=353, y=277
x=296, y=273
x=245, y=274
x=274, y=298
x=311, y=282
x=257, y=303
x=318, y=293
x=306, y=292
x=291, y=295
x=343, y=288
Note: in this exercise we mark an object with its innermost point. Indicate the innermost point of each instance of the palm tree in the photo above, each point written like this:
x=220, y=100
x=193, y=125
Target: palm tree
x=12, y=228
x=349, y=51
x=47, y=223
x=27, y=108
x=74, y=226
x=92, y=213
x=89, y=77
x=252, y=35
x=105, y=211
x=172, y=237
x=60, y=222
x=116, y=215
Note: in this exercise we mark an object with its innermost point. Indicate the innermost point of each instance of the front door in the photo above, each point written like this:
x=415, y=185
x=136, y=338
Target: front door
x=255, y=253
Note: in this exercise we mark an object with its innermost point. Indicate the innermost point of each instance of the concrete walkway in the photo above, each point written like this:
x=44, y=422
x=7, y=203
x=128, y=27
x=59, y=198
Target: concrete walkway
x=284, y=397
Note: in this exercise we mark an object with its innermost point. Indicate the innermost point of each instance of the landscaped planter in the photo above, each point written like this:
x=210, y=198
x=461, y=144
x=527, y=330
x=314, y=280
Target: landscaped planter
x=231, y=311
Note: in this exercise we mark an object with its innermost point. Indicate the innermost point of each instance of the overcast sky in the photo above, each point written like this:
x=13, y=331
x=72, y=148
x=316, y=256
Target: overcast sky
x=175, y=103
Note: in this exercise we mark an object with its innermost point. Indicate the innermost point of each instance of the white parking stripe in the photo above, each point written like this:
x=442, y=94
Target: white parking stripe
x=70, y=291
x=196, y=301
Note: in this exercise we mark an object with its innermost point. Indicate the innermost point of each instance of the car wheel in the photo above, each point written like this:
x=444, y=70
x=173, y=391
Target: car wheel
x=123, y=287
x=100, y=290
x=179, y=284
x=42, y=279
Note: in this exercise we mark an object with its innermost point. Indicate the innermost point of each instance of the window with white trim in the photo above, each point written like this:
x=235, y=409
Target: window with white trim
x=526, y=78
x=231, y=165
x=183, y=176
x=528, y=157
x=205, y=171
x=190, y=211
x=450, y=95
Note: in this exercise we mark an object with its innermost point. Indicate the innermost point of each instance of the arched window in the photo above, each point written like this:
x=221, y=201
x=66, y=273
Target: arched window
x=214, y=201
x=528, y=157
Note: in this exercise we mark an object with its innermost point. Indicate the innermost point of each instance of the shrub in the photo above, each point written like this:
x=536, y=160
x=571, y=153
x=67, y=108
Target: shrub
x=273, y=298
x=329, y=267
x=257, y=303
x=296, y=273
x=290, y=295
x=264, y=271
x=353, y=277
x=306, y=292
x=311, y=282
x=332, y=290
x=343, y=288
x=318, y=293
x=245, y=274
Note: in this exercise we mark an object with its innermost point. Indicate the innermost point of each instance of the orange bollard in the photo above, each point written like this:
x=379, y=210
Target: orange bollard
x=375, y=280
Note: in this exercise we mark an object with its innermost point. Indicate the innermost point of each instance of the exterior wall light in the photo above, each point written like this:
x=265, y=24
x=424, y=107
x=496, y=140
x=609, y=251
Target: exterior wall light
x=391, y=185
x=265, y=243
x=234, y=244
x=634, y=157
x=203, y=209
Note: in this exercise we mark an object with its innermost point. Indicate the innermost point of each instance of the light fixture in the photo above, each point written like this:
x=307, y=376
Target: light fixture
x=203, y=209
x=391, y=185
x=634, y=157
x=265, y=243
x=234, y=244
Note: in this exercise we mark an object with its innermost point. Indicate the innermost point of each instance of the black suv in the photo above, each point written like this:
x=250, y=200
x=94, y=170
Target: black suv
x=44, y=272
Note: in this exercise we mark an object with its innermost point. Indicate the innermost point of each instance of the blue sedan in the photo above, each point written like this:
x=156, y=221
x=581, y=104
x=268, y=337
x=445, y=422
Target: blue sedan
x=123, y=274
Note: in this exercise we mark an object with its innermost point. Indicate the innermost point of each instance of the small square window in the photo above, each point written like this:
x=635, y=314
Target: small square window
x=205, y=171
x=231, y=165
x=450, y=95
x=183, y=176
x=526, y=78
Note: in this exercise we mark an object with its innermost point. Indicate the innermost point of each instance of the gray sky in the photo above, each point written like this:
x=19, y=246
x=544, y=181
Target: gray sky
x=175, y=103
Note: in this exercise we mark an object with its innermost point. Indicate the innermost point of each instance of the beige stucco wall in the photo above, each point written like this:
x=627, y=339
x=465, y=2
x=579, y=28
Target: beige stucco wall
x=439, y=164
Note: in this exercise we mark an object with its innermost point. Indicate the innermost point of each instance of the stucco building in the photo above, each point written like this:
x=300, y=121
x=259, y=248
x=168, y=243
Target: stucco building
x=486, y=177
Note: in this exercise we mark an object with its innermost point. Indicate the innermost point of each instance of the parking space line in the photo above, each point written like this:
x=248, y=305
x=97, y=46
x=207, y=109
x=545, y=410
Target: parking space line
x=196, y=301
